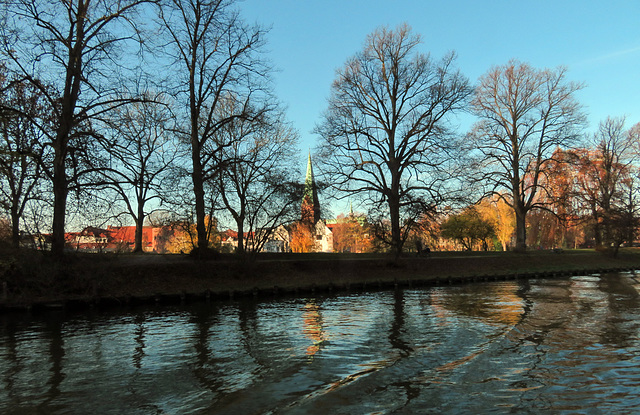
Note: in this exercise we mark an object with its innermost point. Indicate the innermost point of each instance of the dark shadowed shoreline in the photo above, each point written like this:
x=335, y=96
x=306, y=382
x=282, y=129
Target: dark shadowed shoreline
x=32, y=281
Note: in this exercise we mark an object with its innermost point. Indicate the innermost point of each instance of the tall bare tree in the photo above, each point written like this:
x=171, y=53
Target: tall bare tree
x=385, y=136
x=21, y=149
x=217, y=63
x=141, y=151
x=78, y=47
x=525, y=114
x=258, y=185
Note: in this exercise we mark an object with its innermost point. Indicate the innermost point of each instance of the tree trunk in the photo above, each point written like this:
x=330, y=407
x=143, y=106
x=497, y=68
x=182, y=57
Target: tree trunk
x=59, y=204
x=198, y=192
x=240, y=223
x=139, y=225
x=15, y=228
x=394, y=215
x=597, y=230
x=67, y=121
x=597, y=235
x=521, y=229
x=631, y=232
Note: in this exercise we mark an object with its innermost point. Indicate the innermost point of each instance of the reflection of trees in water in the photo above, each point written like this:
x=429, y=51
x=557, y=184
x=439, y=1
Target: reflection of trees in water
x=498, y=303
x=250, y=333
x=272, y=334
x=11, y=364
x=573, y=332
x=139, y=337
x=579, y=311
x=528, y=340
x=32, y=366
x=53, y=330
x=397, y=334
x=204, y=319
x=264, y=333
x=622, y=297
x=397, y=328
x=313, y=327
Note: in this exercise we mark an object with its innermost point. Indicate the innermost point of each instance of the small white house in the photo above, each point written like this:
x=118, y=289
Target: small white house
x=324, y=237
x=278, y=241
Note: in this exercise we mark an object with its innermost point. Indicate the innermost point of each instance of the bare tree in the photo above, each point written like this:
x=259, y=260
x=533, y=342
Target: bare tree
x=384, y=136
x=21, y=150
x=257, y=186
x=634, y=136
x=525, y=114
x=216, y=61
x=76, y=46
x=141, y=153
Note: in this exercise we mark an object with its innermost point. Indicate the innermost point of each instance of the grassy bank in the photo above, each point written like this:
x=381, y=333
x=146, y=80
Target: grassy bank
x=34, y=279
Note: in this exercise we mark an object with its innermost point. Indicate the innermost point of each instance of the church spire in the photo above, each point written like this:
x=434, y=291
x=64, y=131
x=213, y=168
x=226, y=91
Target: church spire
x=310, y=203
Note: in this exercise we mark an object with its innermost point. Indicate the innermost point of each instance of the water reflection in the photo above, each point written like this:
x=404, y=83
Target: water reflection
x=543, y=346
x=313, y=327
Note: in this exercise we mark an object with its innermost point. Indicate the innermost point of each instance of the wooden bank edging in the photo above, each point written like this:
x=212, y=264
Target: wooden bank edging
x=105, y=302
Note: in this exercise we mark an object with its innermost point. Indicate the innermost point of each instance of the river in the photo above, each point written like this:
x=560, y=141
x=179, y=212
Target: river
x=563, y=345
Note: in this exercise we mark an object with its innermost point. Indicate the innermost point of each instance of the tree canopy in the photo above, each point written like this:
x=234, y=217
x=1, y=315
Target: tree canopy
x=384, y=136
x=524, y=115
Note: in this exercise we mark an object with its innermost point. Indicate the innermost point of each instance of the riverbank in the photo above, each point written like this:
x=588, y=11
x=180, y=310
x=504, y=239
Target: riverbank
x=32, y=280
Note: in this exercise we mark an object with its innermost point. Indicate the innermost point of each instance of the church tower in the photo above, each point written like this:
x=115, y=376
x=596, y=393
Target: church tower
x=310, y=208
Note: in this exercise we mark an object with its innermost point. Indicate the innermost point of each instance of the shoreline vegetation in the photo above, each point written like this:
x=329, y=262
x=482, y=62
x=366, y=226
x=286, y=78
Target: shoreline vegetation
x=34, y=281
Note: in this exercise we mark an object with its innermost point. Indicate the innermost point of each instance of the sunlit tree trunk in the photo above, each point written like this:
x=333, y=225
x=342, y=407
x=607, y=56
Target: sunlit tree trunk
x=521, y=230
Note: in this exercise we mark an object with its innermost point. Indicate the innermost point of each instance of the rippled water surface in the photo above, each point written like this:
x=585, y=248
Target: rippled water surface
x=538, y=346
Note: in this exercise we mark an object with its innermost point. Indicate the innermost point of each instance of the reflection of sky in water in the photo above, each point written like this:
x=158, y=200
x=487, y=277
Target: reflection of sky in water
x=534, y=345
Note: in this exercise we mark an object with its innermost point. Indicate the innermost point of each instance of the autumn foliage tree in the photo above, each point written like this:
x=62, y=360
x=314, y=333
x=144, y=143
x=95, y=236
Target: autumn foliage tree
x=501, y=217
x=468, y=228
x=302, y=237
x=350, y=235
x=427, y=232
x=605, y=171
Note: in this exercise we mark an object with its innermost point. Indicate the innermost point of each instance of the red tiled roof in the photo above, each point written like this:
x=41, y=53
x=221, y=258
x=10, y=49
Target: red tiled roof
x=229, y=234
x=127, y=234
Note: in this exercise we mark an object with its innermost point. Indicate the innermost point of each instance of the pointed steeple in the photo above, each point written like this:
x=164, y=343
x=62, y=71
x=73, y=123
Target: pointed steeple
x=310, y=203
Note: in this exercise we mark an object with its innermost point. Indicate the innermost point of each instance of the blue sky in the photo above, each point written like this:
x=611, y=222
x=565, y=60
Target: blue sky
x=598, y=41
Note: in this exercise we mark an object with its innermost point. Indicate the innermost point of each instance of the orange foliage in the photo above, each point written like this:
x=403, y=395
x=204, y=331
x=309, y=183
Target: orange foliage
x=182, y=237
x=501, y=216
x=302, y=239
x=350, y=236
